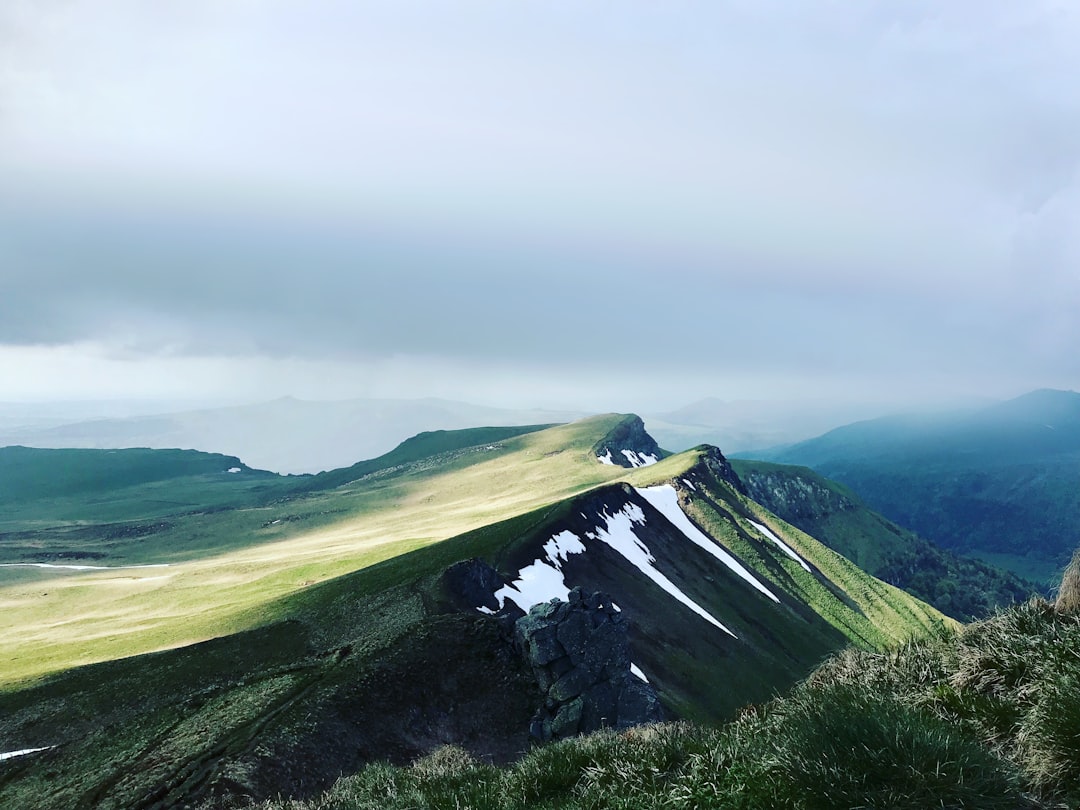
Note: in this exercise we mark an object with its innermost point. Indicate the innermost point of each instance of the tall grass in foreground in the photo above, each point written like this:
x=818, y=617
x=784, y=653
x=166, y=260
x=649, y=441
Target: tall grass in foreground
x=819, y=750
x=984, y=719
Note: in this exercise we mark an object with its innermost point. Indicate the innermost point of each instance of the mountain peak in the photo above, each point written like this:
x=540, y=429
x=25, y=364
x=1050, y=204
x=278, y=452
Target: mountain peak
x=628, y=445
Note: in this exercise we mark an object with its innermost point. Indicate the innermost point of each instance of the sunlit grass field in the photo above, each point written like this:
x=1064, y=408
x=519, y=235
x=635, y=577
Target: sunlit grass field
x=224, y=564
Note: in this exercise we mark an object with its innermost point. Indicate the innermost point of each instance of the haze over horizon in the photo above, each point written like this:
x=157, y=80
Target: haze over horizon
x=569, y=205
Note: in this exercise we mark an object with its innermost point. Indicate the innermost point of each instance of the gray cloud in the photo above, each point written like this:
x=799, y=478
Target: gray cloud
x=718, y=188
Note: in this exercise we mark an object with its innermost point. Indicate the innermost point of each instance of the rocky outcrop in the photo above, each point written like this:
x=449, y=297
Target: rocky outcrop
x=579, y=653
x=716, y=463
x=628, y=445
x=793, y=496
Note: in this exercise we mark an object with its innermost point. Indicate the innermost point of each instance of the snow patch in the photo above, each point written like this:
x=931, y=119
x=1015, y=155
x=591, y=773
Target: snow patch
x=761, y=527
x=690, y=484
x=562, y=545
x=619, y=534
x=636, y=670
x=639, y=459
x=542, y=580
x=233, y=470
x=606, y=459
x=665, y=500
x=24, y=752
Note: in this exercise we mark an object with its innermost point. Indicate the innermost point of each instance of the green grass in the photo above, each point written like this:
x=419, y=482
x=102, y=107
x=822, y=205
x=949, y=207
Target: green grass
x=225, y=564
x=265, y=698
x=987, y=718
x=963, y=588
x=827, y=750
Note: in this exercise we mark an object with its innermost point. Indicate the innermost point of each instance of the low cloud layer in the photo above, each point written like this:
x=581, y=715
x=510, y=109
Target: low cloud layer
x=705, y=193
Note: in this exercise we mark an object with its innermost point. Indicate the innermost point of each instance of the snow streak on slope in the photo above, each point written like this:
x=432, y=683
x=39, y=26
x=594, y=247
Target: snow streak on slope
x=665, y=500
x=783, y=546
x=24, y=752
x=543, y=580
x=619, y=535
x=606, y=459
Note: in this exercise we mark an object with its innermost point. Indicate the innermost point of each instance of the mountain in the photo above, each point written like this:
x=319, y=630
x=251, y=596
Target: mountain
x=304, y=626
x=736, y=425
x=285, y=435
x=963, y=588
x=999, y=482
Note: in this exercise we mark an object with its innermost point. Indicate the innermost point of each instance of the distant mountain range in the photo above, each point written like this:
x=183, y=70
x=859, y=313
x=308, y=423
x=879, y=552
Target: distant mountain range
x=296, y=436
x=284, y=435
x=1001, y=482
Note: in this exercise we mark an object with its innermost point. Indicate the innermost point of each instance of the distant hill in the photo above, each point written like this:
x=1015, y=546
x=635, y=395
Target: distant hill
x=285, y=435
x=1000, y=482
x=737, y=425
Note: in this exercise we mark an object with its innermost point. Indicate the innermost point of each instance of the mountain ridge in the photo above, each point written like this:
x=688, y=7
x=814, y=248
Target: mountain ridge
x=702, y=573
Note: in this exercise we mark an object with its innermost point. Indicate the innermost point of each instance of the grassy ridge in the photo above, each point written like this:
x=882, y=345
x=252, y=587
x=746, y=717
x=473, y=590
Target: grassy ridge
x=226, y=563
x=372, y=664
x=987, y=718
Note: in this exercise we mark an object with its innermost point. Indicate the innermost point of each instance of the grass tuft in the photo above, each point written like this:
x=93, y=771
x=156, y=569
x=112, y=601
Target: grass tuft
x=1068, y=596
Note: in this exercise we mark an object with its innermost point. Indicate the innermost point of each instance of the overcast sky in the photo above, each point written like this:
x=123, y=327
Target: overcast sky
x=602, y=205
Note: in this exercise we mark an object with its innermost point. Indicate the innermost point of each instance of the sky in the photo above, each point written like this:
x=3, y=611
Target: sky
x=577, y=204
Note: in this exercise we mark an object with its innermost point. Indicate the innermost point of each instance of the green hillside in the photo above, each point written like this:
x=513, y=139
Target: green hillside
x=1001, y=483
x=331, y=647
x=984, y=719
x=963, y=588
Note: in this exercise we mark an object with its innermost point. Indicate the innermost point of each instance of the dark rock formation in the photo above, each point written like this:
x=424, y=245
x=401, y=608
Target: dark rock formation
x=629, y=434
x=580, y=656
x=719, y=466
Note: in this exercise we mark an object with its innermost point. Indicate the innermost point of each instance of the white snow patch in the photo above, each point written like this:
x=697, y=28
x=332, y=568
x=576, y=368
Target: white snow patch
x=606, y=459
x=639, y=459
x=233, y=469
x=542, y=580
x=619, y=534
x=783, y=546
x=666, y=501
x=636, y=670
x=690, y=484
x=82, y=567
x=562, y=545
x=24, y=752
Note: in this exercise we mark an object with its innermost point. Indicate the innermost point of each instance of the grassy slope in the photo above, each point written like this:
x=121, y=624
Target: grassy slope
x=225, y=564
x=965, y=589
x=143, y=731
x=985, y=719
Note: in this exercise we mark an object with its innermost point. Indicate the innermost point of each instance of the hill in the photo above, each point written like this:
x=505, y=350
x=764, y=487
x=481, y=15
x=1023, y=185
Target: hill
x=999, y=483
x=394, y=626
x=285, y=435
x=963, y=588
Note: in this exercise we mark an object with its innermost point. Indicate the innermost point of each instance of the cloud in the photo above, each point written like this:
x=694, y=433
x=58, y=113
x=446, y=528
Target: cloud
x=730, y=189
